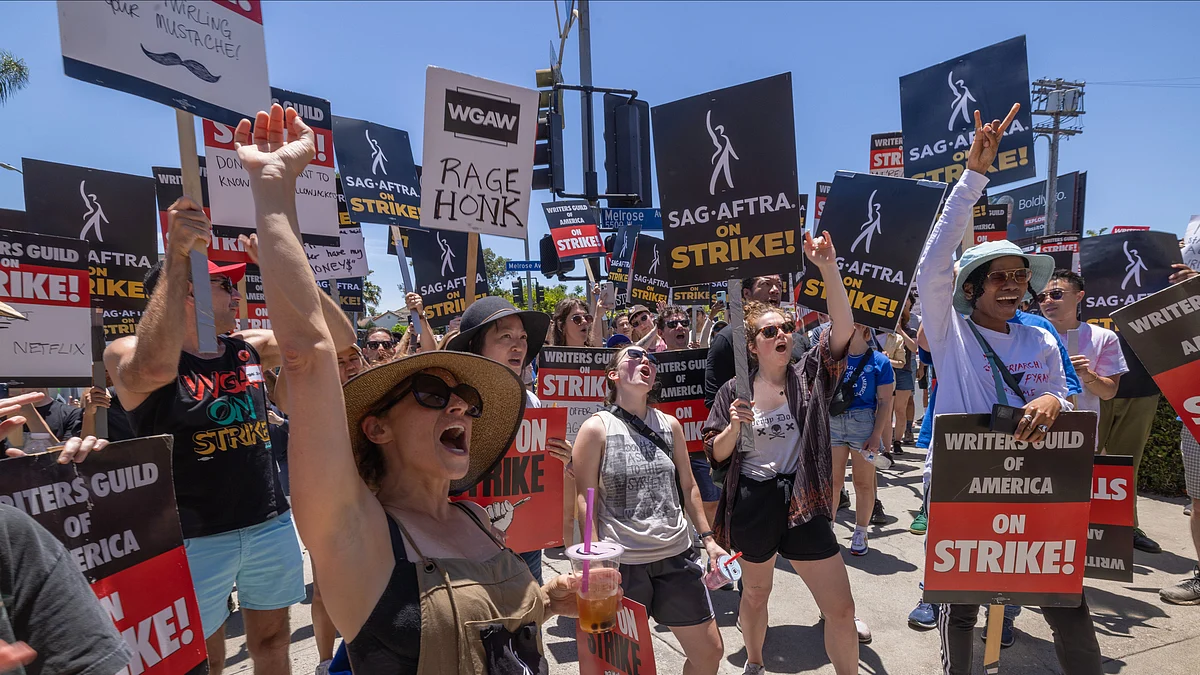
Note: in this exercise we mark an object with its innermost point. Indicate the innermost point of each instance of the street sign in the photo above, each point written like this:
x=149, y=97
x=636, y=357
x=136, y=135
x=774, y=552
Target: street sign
x=523, y=266
x=650, y=219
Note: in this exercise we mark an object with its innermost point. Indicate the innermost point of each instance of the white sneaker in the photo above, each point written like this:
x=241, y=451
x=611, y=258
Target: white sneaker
x=323, y=667
x=753, y=669
x=858, y=543
x=864, y=633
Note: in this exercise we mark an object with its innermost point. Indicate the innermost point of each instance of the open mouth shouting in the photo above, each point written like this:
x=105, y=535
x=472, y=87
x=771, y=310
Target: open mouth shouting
x=454, y=438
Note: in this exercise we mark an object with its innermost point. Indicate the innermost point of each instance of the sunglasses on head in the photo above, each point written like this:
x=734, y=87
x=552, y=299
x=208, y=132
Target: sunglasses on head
x=1055, y=293
x=580, y=319
x=676, y=323
x=224, y=282
x=771, y=332
x=639, y=354
x=380, y=344
x=1021, y=276
x=432, y=392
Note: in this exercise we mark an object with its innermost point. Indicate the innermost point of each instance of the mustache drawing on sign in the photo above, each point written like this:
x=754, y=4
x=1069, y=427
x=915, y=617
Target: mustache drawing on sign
x=447, y=255
x=720, y=158
x=962, y=99
x=870, y=227
x=1133, y=271
x=94, y=216
x=377, y=156
x=172, y=59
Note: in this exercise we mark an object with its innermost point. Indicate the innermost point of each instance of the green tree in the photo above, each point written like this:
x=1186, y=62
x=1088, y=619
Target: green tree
x=1093, y=233
x=494, y=269
x=371, y=293
x=14, y=75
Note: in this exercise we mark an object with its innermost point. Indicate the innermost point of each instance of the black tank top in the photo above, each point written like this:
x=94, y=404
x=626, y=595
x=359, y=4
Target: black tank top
x=390, y=640
x=225, y=474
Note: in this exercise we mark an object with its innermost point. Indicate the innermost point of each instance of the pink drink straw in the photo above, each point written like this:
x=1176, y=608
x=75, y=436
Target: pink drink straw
x=587, y=536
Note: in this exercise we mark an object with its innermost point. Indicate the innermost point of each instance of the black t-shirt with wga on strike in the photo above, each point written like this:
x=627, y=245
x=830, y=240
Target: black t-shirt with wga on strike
x=225, y=473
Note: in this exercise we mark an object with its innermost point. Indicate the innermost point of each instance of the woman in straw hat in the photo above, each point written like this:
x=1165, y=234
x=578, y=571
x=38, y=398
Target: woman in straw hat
x=414, y=583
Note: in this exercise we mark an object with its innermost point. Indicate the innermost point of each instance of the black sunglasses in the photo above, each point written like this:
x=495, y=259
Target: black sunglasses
x=639, y=354
x=771, y=332
x=380, y=344
x=224, y=282
x=432, y=392
x=1055, y=293
x=637, y=320
x=676, y=323
x=579, y=319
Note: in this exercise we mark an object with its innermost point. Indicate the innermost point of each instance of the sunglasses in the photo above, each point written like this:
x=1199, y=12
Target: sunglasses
x=637, y=320
x=676, y=323
x=431, y=391
x=580, y=319
x=639, y=354
x=771, y=332
x=1021, y=276
x=224, y=282
x=379, y=344
x=1055, y=293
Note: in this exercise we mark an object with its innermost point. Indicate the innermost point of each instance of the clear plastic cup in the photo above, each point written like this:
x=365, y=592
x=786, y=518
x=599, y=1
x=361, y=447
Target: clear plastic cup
x=726, y=571
x=600, y=581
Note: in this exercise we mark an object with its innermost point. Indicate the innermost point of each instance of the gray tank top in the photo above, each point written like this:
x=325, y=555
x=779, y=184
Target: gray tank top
x=638, y=506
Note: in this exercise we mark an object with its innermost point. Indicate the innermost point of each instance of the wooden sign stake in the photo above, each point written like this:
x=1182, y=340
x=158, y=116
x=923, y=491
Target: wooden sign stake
x=189, y=168
x=740, y=358
x=95, y=422
x=472, y=267
x=991, y=648
x=414, y=321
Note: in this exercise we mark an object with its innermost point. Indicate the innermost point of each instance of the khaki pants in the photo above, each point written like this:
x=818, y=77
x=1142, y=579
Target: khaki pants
x=1124, y=429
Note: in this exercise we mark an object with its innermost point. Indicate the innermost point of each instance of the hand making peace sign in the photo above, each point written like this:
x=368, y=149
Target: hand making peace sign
x=987, y=141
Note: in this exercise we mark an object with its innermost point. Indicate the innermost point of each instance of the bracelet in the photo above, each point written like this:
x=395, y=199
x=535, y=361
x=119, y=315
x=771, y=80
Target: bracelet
x=705, y=535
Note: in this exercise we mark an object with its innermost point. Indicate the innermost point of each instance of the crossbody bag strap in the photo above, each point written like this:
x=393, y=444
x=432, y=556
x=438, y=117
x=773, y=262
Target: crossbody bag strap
x=862, y=364
x=999, y=370
x=639, y=425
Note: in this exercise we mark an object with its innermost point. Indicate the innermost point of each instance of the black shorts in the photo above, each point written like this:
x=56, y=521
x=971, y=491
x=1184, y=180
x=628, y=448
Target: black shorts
x=759, y=527
x=672, y=589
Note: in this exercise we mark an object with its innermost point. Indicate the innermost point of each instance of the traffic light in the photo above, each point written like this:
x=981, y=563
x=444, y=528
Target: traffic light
x=548, y=171
x=541, y=294
x=627, y=150
x=549, y=258
x=518, y=293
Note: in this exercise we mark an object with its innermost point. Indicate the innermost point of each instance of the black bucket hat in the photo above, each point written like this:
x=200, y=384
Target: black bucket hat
x=487, y=310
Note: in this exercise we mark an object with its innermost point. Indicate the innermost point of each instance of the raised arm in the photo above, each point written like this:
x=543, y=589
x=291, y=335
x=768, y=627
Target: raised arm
x=416, y=303
x=821, y=253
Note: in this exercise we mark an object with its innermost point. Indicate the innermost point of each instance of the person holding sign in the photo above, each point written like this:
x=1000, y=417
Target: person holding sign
x=636, y=459
x=966, y=323
x=777, y=496
x=575, y=326
x=402, y=569
x=1096, y=356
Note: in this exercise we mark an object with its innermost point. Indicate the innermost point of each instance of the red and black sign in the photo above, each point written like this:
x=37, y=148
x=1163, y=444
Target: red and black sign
x=523, y=494
x=627, y=649
x=1122, y=269
x=1110, y=532
x=574, y=228
x=1064, y=248
x=1008, y=520
x=256, y=300
x=168, y=186
x=679, y=390
x=573, y=378
x=990, y=221
x=819, y=198
x=115, y=514
x=887, y=154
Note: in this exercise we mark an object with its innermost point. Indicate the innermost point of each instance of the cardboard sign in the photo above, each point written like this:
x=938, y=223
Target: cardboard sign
x=337, y=262
x=378, y=175
x=114, y=213
x=46, y=279
x=350, y=293
x=879, y=226
x=696, y=295
x=1162, y=331
x=439, y=262
x=1123, y=268
x=726, y=164
x=1027, y=207
x=887, y=154
x=1008, y=519
x=937, y=109
x=478, y=154
x=649, y=286
x=573, y=378
x=819, y=198
x=679, y=389
x=628, y=649
x=990, y=222
x=1110, y=532
x=1118, y=229
x=205, y=58
x=116, y=516
x=574, y=230
x=168, y=186
x=523, y=494
x=316, y=197
x=621, y=262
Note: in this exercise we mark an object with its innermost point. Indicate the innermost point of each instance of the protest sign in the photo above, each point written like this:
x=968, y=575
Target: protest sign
x=621, y=262
x=402, y=233
x=116, y=516
x=114, y=213
x=1118, y=229
x=378, y=175
x=726, y=164
x=1110, y=530
x=11, y=219
x=339, y=262
x=479, y=138
x=574, y=230
x=573, y=378
x=990, y=221
x=679, y=391
x=168, y=186
x=1123, y=268
x=316, y=197
x=627, y=649
x=208, y=59
x=649, y=286
x=350, y=297
x=255, y=301
x=1064, y=248
x=819, y=198
x=887, y=154
x=523, y=493
x=1191, y=244
x=938, y=104
x=1163, y=332
x=695, y=295
x=1008, y=519
x=877, y=274
x=1027, y=208
x=46, y=279
x=439, y=262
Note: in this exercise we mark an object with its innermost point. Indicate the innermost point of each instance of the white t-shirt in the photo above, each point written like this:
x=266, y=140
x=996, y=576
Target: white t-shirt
x=1103, y=350
x=776, y=444
x=531, y=400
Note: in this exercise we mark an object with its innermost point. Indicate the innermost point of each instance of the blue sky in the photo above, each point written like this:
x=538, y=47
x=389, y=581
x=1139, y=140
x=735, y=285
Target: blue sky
x=1139, y=146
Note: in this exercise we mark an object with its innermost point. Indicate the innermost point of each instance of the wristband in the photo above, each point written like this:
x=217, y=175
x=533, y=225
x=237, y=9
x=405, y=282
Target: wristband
x=707, y=534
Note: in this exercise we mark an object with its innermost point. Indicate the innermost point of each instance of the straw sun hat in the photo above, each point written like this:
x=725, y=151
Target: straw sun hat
x=491, y=435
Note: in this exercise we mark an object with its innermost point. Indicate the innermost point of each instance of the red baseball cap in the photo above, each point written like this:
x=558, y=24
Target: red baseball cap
x=235, y=272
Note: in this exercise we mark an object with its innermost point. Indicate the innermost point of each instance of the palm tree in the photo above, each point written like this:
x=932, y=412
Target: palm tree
x=14, y=75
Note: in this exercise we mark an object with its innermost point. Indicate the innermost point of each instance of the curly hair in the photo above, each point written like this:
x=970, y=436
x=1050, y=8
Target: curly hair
x=753, y=310
x=563, y=310
x=668, y=312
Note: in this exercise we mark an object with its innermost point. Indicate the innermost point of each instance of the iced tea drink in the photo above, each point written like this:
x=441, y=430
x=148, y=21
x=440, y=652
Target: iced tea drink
x=600, y=584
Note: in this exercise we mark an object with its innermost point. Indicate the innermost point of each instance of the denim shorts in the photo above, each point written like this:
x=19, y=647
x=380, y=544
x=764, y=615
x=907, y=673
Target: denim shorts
x=852, y=428
x=264, y=561
x=702, y=472
x=905, y=380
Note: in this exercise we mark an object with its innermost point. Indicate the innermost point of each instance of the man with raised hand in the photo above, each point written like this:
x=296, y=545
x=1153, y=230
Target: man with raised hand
x=960, y=316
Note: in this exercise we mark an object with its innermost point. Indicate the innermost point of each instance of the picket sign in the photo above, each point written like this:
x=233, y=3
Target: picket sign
x=189, y=167
x=991, y=643
x=414, y=322
x=472, y=267
x=737, y=319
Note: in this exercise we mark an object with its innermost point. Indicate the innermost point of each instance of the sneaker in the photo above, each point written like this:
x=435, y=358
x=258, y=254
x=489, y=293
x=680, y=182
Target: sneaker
x=323, y=667
x=858, y=543
x=844, y=500
x=897, y=449
x=1008, y=634
x=1187, y=510
x=864, y=633
x=878, y=517
x=919, y=524
x=923, y=616
x=1143, y=543
x=1186, y=592
x=753, y=669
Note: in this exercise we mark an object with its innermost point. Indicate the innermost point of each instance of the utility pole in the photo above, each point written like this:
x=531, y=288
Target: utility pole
x=1058, y=98
x=591, y=185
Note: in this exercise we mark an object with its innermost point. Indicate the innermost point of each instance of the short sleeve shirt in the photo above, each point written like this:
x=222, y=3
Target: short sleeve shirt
x=876, y=373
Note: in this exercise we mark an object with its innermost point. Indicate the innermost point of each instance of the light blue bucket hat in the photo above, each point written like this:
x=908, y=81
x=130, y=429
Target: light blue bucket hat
x=1042, y=267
